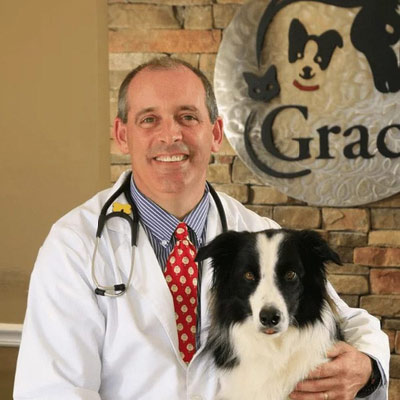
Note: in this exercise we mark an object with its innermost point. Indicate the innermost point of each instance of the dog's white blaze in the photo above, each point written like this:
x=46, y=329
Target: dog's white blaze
x=267, y=293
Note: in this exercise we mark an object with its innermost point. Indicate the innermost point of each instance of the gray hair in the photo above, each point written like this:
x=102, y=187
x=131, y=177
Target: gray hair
x=165, y=63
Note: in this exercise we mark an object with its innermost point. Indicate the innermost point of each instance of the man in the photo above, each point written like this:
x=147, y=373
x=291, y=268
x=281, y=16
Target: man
x=77, y=345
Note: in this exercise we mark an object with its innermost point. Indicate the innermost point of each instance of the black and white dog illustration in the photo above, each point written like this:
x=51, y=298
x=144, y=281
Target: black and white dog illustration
x=272, y=322
x=374, y=32
x=311, y=61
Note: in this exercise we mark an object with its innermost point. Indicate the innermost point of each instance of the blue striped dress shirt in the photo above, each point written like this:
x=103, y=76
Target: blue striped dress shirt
x=160, y=225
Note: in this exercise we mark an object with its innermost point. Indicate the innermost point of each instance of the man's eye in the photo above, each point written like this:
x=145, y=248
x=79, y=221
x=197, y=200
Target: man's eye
x=148, y=120
x=188, y=118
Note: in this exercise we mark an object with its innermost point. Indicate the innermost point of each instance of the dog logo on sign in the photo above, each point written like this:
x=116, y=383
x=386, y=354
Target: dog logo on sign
x=310, y=60
x=313, y=106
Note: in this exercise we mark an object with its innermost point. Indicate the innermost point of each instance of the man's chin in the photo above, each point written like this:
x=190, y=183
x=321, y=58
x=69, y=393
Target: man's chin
x=173, y=184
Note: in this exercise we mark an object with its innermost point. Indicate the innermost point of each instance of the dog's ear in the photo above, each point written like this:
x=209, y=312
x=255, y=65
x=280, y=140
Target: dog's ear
x=298, y=38
x=327, y=44
x=225, y=251
x=312, y=241
x=222, y=247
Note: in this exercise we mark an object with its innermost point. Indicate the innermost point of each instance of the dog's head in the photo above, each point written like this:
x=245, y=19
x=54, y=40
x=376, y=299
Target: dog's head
x=312, y=53
x=274, y=278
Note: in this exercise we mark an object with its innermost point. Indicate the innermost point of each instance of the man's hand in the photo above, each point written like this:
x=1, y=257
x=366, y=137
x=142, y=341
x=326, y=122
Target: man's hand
x=339, y=379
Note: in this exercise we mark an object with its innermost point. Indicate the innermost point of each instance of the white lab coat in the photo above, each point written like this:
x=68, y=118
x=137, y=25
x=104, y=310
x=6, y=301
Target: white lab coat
x=77, y=345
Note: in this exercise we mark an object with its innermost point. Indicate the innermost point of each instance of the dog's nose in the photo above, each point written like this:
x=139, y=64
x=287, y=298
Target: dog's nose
x=270, y=316
x=307, y=73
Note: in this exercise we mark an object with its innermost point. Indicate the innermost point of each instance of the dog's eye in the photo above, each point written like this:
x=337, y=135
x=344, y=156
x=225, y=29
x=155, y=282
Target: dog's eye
x=249, y=276
x=290, y=276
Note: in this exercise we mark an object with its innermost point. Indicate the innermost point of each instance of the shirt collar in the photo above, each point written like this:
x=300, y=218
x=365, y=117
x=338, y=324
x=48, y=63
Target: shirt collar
x=162, y=224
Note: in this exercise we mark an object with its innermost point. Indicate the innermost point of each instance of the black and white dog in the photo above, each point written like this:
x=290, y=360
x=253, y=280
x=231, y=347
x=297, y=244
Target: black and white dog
x=271, y=319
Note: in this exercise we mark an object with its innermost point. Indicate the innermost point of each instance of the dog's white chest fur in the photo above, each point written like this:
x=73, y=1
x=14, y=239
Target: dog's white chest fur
x=270, y=367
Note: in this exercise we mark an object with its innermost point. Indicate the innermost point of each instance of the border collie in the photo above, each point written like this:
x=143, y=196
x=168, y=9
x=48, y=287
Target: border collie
x=272, y=321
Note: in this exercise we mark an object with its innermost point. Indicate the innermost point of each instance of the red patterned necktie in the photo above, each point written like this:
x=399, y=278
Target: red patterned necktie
x=181, y=274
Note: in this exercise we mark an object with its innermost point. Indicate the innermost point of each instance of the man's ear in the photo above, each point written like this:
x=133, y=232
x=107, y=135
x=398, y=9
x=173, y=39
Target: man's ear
x=218, y=133
x=120, y=135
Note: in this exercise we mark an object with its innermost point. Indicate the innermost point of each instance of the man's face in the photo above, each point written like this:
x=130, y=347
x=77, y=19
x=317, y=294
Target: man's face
x=168, y=134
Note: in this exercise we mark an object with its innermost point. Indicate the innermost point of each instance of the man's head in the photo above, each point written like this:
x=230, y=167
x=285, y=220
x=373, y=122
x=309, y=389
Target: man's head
x=167, y=121
x=165, y=63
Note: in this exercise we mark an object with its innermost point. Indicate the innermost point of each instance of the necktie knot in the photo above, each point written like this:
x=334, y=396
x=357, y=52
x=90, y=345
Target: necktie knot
x=181, y=231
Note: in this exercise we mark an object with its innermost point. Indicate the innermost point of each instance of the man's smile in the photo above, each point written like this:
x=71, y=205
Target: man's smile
x=172, y=158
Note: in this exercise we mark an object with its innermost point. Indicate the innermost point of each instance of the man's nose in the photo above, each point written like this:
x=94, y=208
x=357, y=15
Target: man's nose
x=170, y=131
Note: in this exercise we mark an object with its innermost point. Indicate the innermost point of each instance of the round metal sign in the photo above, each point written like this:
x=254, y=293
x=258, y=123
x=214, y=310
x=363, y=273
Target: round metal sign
x=310, y=95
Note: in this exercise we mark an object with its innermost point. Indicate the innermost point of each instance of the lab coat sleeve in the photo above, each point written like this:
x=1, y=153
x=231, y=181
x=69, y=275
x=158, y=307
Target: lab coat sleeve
x=363, y=331
x=60, y=353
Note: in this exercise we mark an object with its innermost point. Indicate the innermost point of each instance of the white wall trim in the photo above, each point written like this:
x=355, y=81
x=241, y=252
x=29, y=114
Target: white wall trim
x=10, y=335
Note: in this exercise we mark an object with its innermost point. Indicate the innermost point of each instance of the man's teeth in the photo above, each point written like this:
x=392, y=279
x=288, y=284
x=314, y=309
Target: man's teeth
x=171, y=158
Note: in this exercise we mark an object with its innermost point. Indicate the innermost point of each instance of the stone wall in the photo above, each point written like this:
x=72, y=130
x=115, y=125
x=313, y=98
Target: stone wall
x=367, y=238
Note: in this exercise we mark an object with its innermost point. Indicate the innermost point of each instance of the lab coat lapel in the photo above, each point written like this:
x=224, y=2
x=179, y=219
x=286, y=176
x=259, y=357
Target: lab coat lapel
x=149, y=282
x=214, y=228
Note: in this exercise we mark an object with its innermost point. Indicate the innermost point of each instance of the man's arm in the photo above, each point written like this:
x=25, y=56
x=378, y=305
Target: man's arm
x=351, y=368
x=63, y=330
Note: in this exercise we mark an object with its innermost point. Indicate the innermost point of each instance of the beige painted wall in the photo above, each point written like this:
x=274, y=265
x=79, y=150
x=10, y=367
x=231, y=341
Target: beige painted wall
x=54, y=126
x=54, y=118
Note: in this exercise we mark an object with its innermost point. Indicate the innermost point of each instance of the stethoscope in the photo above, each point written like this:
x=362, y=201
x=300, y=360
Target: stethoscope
x=124, y=211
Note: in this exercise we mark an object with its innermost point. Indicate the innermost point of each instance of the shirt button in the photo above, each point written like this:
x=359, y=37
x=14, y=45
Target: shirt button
x=164, y=243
